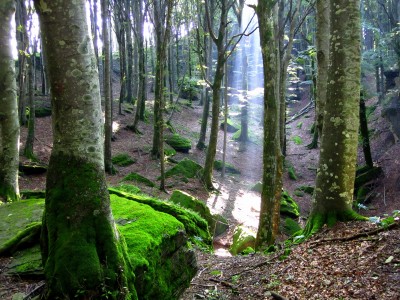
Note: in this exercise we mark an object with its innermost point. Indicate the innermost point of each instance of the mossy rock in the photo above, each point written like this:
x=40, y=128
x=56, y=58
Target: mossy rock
x=292, y=173
x=257, y=187
x=30, y=194
x=185, y=168
x=308, y=189
x=128, y=188
x=221, y=225
x=290, y=226
x=289, y=207
x=156, y=241
x=168, y=150
x=188, y=201
x=41, y=112
x=230, y=126
x=229, y=168
x=179, y=143
x=32, y=168
x=139, y=178
x=242, y=239
x=123, y=160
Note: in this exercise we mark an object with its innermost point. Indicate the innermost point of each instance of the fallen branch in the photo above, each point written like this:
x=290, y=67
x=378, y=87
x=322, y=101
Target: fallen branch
x=356, y=236
x=224, y=283
x=303, y=111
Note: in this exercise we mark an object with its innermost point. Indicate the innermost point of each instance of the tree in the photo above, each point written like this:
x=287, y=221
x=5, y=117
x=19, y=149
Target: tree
x=162, y=10
x=336, y=172
x=9, y=124
x=107, y=87
x=82, y=252
x=272, y=157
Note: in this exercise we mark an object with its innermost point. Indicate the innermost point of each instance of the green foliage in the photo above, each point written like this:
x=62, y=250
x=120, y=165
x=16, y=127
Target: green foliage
x=299, y=125
x=139, y=178
x=189, y=88
x=123, y=160
x=297, y=140
x=229, y=168
x=242, y=239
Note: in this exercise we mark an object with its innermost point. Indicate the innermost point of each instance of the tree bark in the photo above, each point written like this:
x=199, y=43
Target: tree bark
x=82, y=252
x=28, y=150
x=9, y=124
x=272, y=161
x=337, y=164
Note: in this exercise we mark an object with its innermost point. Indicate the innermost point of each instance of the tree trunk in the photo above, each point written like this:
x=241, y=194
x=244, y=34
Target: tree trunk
x=28, y=150
x=365, y=134
x=129, y=53
x=107, y=88
x=9, y=124
x=81, y=249
x=322, y=44
x=337, y=164
x=272, y=161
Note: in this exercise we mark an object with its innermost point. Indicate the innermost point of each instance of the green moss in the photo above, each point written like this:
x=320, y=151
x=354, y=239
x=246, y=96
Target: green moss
x=297, y=140
x=242, y=238
x=41, y=112
x=185, y=168
x=290, y=226
x=187, y=201
x=127, y=188
x=306, y=189
x=257, y=187
x=298, y=193
x=289, y=207
x=196, y=227
x=292, y=173
x=27, y=263
x=138, y=178
x=229, y=168
x=169, y=151
x=123, y=160
x=178, y=142
x=24, y=238
x=29, y=194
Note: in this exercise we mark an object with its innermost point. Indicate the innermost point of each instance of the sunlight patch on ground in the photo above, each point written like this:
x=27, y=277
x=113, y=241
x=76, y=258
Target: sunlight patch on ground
x=116, y=127
x=243, y=206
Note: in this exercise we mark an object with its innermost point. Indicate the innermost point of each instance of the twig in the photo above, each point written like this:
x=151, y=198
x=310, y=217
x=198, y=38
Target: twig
x=303, y=111
x=224, y=283
x=356, y=236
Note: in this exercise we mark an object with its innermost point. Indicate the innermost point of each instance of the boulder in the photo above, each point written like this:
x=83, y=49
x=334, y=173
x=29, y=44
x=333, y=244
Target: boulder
x=185, y=168
x=242, y=239
x=179, y=143
x=229, y=168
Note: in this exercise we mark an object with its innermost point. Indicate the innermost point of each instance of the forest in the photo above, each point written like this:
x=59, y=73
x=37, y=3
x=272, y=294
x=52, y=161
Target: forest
x=216, y=149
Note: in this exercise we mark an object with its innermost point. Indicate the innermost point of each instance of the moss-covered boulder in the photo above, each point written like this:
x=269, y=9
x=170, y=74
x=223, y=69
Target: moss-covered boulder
x=156, y=235
x=168, y=150
x=242, y=239
x=41, y=112
x=139, y=178
x=289, y=207
x=257, y=187
x=123, y=160
x=178, y=142
x=230, y=126
x=186, y=168
x=290, y=226
x=308, y=189
x=229, y=168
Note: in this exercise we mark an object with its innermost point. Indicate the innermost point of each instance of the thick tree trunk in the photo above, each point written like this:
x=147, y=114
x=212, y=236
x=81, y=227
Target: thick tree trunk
x=272, y=162
x=337, y=164
x=9, y=124
x=82, y=252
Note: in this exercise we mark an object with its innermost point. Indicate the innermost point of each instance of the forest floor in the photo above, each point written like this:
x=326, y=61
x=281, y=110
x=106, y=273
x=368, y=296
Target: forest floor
x=354, y=260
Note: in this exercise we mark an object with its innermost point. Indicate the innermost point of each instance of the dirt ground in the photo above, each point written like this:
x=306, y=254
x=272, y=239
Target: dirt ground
x=357, y=268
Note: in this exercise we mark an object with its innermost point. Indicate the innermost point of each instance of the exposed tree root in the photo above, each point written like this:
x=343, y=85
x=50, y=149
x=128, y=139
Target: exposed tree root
x=356, y=236
x=22, y=239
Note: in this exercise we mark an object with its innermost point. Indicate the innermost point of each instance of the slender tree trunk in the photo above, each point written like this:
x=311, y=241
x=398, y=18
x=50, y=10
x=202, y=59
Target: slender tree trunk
x=129, y=52
x=81, y=249
x=107, y=88
x=337, y=164
x=272, y=161
x=28, y=150
x=365, y=134
x=9, y=124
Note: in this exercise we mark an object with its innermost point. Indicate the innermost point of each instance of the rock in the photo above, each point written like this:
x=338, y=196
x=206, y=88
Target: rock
x=216, y=223
x=242, y=238
x=32, y=168
x=229, y=168
x=139, y=178
x=179, y=143
x=231, y=126
x=185, y=168
x=289, y=207
x=257, y=187
x=123, y=160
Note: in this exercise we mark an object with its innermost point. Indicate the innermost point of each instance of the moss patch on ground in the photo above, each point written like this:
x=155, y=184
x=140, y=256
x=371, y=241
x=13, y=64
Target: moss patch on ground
x=185, y=168
x=139, y=178
x=123, y=160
